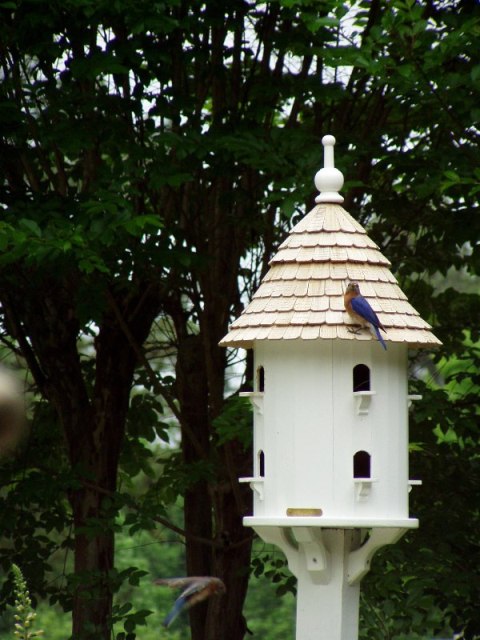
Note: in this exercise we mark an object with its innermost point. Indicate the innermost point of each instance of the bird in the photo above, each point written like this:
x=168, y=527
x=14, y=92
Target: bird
x=195, y=589
x=360, y=310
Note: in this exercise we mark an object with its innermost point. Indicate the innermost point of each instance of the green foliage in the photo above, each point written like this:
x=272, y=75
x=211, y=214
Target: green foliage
x=160, y=553
x=398, y=602
x=271, y=564
x=235, y=422
x=34, y=515
x=430, y=576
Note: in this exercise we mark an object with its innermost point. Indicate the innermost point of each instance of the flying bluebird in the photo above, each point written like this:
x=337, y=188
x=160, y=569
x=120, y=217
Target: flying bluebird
x=360, y=310
x=195, y=589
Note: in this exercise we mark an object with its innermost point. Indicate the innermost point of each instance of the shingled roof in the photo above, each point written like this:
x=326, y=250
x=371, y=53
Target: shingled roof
x=301, y=296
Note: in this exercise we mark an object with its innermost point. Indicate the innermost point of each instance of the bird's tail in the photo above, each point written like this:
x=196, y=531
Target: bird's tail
x=176, y=609
x=379, y=337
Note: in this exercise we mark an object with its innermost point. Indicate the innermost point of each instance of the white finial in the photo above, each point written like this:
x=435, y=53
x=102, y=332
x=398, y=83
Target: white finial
x=329, y=180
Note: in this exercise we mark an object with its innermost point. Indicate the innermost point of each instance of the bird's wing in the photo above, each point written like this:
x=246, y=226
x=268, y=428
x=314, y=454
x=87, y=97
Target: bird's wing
x=190, y=585
x=174, y=583
x=196, y=589
x=175, y=611
x=195, y=586
x=361, y=306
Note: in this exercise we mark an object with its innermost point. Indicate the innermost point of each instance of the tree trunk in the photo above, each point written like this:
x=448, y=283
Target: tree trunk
x=94, y=559
x=122, y=332
x=44, y=322
x=232, y=555
x=213, y=508
x=192, y=394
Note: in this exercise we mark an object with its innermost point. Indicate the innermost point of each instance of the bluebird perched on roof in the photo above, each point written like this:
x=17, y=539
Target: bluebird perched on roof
x=195, y=589
x=362, y=313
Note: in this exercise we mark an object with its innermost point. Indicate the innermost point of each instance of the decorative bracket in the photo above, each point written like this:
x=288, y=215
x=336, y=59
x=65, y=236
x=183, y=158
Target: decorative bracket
x=363, y=400
x=256, y=484
x=363, y=487
x=413, y=397
x=360, y=559
x=303, y=547
x=255, y=397
x=315, y=554
x=414, y=483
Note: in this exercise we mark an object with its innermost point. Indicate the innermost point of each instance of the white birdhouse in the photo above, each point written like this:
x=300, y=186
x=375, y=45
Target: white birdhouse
x=330, y=408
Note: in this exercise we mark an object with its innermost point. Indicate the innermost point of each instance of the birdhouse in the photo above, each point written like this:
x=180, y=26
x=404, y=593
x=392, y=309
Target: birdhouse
x=330, y=471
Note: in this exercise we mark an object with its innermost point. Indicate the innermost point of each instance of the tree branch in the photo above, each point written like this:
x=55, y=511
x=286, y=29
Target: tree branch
x=169, y=525
x=156, y=384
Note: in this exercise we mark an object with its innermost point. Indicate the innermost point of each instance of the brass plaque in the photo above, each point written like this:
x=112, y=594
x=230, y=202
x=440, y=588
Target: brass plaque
x=304, y=512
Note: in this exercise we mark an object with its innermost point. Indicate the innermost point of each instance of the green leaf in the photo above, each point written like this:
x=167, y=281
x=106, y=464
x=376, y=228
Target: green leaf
x=235, y=422
x=32, y=226
x=475, y=74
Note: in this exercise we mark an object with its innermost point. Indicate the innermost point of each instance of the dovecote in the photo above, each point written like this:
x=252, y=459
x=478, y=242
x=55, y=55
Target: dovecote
x=330, y=465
